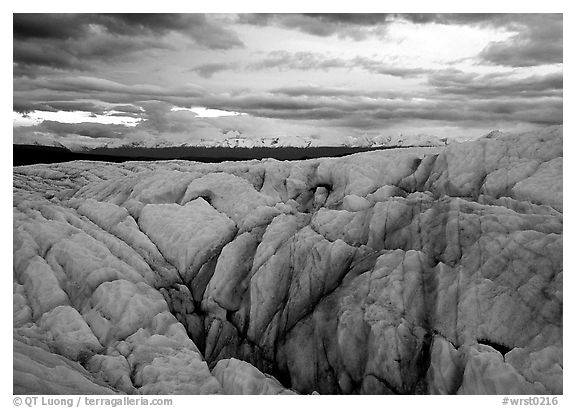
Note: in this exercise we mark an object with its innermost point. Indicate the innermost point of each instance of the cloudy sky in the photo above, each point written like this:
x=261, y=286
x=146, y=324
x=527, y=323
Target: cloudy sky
x=96, y=79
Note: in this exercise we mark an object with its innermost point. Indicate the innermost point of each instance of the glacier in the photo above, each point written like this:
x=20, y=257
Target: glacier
x=411, y=271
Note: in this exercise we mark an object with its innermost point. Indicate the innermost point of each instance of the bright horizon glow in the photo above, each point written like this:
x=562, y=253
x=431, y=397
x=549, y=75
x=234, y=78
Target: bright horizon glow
x=37, y=117
x=202, y=112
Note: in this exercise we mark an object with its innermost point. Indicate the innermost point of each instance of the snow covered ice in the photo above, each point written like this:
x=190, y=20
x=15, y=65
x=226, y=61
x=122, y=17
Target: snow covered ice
x=419, y=270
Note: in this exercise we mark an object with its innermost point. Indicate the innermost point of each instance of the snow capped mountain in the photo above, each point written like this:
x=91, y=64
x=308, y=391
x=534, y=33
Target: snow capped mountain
x=236, y=139
x=296, y=141
x=400, y=140
x=241, y=141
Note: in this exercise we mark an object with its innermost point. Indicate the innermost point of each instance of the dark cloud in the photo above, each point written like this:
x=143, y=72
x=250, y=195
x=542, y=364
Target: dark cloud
x=125, y=114
x=366, y=19
x=131, y=101
x=53, y=26
x=302, y=60
x=27, y=56
x=72, y=41
x=86, y=85
x=327, y=109
x=355, y=26
x=256, y=104
x=379, y=67
x=334, y=21
x=257, y=19
x=128, y=109
x=32, y=55
x=93, y=130
x=284, y=60
x=58, y=46
x=72, y=26
x=348, y=109
x=496, y=84
x=537, y=39
x=321, y=26
x=538, y=42
x=320, y=91
x=512, y=111
x=138, y=23
x=374, y=19
x=156, y=116
x=359, y=25
x=493, y=19
x=450, y=96
x=359, y=19
x=25, y=107
x=99, y=96
x=71, y=106
x=207, y=70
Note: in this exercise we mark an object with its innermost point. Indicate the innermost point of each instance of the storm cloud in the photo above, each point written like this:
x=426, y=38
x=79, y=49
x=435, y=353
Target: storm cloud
x=74, y=41
x=307, y=75
x=356, y=26
x=538, y=41
x=209, y=69
x=306, y=61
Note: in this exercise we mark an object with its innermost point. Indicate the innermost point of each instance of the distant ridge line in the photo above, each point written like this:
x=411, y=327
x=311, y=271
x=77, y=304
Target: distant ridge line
x=35, y=154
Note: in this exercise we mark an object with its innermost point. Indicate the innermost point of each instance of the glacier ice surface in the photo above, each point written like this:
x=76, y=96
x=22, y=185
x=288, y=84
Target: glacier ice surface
x=406, y=271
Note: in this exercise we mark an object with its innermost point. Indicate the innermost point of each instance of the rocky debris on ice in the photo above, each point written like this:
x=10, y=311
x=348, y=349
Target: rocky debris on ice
x=421, y=270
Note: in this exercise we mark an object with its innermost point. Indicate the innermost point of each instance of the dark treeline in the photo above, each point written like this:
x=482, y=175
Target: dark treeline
x=31, y=154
